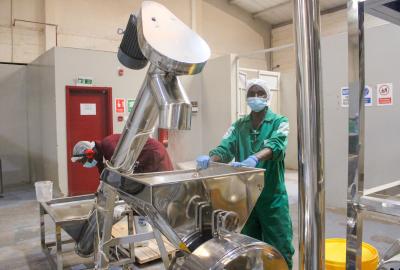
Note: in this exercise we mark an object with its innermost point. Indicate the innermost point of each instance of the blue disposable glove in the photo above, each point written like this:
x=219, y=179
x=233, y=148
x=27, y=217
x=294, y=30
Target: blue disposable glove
x=251, y=162
x=203, y=162
x=236, y=164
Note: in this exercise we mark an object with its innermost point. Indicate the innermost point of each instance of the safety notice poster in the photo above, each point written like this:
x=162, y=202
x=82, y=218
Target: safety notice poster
x=88, y=109
x=368, y=96
x=384, y=93
x=119, y=105
x=344, y=96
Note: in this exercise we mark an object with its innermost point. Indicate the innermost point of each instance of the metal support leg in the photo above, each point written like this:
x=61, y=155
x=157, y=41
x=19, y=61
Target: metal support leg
x=42, y=228
x=355, y=189
x=96, y=254
x=59, y=248
x=111, y=196
x=161, y=247
x=1, y=181
x=130, y=232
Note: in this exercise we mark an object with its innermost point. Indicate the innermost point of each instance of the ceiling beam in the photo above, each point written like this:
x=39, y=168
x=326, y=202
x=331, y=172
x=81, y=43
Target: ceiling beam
x=323, y=12
x=233, y=2
x=334, y=9
x=259, y=13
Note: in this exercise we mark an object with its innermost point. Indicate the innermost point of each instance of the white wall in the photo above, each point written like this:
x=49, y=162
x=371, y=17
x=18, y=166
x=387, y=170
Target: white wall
x=331, y=24
x=187, y=145
x=218, y=99
x=42, y=119
x=93, y=24
x=227, y=34
x=13, y=119
x=27, y=40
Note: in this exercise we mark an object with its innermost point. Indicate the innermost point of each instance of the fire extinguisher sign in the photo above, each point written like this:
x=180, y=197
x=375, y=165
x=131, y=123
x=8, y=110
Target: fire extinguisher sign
x=119, y=105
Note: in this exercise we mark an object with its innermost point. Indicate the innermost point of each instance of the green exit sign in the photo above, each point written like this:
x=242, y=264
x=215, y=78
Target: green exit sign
x=130, y=102
x=84, y=81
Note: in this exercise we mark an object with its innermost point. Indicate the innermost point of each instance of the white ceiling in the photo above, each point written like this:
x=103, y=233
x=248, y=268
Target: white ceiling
x=278, y=11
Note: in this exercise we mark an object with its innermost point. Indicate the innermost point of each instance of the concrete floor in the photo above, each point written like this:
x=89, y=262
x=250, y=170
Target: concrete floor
x=20, y=242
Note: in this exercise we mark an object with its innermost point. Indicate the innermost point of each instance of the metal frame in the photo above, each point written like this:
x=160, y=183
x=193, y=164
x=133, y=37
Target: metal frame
x=356, y=78
x=40, y=23
x=44, y=209
x=141, y=191
x=382, y=199
x=378, y=9
x=106, y=240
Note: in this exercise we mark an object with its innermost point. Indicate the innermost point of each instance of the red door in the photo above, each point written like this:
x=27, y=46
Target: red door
x=89, y=118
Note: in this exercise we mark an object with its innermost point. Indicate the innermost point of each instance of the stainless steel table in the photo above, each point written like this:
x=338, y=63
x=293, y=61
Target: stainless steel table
x=384, y=199
x=69, y=214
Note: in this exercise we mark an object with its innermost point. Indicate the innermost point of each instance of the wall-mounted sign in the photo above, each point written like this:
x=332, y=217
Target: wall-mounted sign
x=84, y=81
x=384, y=93
x=195, y=106
x=344, y=96
x=88, y=109
x=130, y=103
x=119, y=105
x=368, y=96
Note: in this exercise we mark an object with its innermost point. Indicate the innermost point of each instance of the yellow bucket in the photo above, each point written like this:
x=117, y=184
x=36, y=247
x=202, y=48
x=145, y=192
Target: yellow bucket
x=335, y=255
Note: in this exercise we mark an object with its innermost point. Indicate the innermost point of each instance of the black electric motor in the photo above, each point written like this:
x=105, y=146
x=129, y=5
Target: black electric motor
x=129, y=53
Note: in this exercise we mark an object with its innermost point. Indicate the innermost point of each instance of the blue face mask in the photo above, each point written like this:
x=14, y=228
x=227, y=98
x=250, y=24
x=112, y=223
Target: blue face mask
x=257, y=104
x=90, y=164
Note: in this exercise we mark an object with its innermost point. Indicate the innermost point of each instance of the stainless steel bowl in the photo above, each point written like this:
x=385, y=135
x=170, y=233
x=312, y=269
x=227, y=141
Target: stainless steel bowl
x=232, y=252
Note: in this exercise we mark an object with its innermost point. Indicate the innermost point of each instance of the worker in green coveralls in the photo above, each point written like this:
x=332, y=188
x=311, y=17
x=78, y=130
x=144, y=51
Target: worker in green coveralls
x=259, y=140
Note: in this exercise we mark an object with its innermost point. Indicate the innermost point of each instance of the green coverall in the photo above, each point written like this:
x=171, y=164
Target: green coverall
x=270, y=220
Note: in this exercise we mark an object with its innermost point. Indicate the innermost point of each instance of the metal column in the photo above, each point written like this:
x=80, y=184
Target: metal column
x=1, y=181
x=355, y=17
x=310, y=135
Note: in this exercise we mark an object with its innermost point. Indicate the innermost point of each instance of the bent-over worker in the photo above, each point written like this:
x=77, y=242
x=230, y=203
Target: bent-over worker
x=153, y=157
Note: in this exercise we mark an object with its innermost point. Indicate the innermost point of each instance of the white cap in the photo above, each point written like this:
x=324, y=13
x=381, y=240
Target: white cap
x=261, y=83
x=80, y=148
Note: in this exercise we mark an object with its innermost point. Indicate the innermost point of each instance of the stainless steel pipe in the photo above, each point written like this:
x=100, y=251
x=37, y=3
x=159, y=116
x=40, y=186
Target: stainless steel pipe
x=310, y=135
x=161, y=95
x=175, y=107
x=137, y=128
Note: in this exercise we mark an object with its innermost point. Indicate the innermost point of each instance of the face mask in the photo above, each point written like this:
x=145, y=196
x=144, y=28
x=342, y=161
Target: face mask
x=90, y=164
x=257, y=104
